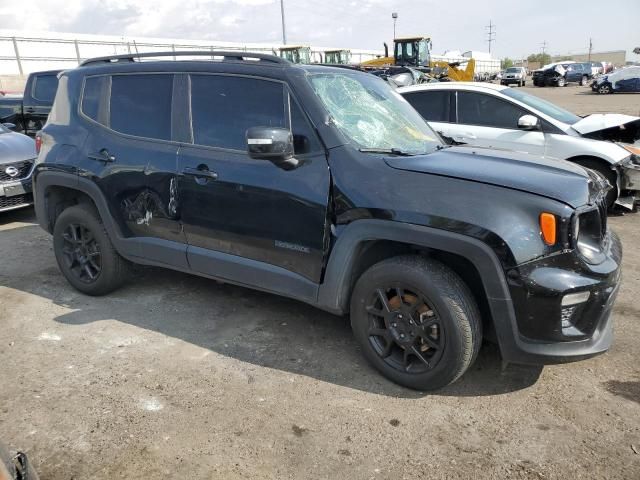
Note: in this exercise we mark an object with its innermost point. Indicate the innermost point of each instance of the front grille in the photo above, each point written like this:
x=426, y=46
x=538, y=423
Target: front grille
x=15, y=201
x=566, y=316
x=24, y=169
x=602, y=208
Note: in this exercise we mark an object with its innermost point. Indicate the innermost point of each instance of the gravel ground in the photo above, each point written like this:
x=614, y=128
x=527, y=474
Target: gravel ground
x=178, y=376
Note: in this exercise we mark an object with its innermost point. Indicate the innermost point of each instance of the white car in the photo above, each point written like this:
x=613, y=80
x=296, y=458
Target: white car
x=496, y=116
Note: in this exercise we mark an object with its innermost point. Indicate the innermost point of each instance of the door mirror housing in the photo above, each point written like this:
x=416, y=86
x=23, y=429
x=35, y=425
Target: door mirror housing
x=528, y=122
x=270, y=143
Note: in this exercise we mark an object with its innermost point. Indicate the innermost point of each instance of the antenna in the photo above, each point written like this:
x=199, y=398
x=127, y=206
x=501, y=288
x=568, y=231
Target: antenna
x=491, y=34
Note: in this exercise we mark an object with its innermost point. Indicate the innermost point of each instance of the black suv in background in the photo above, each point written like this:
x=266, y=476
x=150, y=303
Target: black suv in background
x=323, y=185
x=28, y=113
x=573, y=73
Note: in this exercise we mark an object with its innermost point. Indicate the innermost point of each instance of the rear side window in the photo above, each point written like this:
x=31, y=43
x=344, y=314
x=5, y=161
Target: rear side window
x=433, y=106
x=224, y=107
x=92, y=96
x=140, y=105
x=44, y=88
x=488, y=111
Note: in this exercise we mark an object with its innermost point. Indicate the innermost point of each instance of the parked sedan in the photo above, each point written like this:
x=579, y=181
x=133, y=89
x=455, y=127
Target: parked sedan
x=17, y=154
x=623, y=80
x=501, y=117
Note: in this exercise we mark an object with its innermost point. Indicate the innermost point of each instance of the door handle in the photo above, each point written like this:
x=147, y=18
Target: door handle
x=102, y=156
x=200, y=172
x=30, y=110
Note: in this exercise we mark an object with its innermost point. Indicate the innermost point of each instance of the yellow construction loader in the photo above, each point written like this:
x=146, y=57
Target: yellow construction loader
x=416, y=52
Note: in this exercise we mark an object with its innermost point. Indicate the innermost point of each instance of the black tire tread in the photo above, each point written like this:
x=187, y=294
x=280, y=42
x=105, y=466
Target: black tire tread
x=458, y=297
x=115, y=268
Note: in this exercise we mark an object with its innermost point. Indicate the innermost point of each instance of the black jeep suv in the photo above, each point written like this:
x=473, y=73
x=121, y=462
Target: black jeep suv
x=322, y=184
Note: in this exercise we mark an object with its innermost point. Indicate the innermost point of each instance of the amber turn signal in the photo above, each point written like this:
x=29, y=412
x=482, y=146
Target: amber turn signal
x=548, y=227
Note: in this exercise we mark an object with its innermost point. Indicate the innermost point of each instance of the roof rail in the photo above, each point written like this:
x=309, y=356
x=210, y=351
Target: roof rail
x=227, y=55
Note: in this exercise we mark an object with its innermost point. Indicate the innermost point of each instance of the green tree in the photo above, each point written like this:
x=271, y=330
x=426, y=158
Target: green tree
x=506, y=63
x=542, y=58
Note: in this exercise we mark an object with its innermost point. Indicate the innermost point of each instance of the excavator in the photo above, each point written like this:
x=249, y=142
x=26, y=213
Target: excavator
x=415, y=52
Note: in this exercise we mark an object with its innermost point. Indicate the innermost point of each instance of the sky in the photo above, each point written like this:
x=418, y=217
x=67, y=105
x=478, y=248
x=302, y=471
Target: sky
x=521, y=27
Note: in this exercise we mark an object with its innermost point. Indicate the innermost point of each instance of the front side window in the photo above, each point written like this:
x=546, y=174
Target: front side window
x=433, y=106
x=487, y=111
x=371, y=115
x=223, y=108
x=45, y=88
x=140, y=105
x=548, y=108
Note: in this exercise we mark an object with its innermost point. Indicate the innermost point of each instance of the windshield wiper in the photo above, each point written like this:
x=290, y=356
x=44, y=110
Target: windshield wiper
x=390, y=151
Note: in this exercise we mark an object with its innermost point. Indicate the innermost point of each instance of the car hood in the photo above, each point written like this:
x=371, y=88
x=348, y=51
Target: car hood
x=556, y=179
x=15, y=147
x=609, y=126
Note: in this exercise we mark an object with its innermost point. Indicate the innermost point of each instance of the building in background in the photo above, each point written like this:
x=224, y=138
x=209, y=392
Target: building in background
x=616, y=57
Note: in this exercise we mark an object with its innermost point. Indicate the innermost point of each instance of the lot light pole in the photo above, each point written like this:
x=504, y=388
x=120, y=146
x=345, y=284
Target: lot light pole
x=284, y=32
x=394, y=15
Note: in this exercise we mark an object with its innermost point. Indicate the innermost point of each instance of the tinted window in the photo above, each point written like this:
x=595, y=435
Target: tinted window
x=224, y=107
x=45, y=88
x=141, y=105
x=92, y=94
x=433, y=106
x=479, y=109
x=304, y=137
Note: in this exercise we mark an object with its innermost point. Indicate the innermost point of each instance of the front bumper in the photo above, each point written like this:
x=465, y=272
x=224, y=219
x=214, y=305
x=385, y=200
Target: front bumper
x=17, y=193
x=546, y=332
x=509, y=81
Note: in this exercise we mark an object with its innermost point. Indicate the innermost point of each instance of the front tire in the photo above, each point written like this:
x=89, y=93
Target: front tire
x=583, y=81
x=605, y=88
x=84, y=252
x=562, y=82
x=416, y=321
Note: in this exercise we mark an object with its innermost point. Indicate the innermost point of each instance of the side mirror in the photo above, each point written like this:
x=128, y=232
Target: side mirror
x=10, y=126
x=528, y=122
x=273, y=144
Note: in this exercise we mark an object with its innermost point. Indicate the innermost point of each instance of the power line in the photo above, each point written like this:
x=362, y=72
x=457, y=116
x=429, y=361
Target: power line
x=491, y=34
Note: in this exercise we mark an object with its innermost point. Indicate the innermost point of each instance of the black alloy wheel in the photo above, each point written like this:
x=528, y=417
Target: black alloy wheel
x=405, y=330
x=81, y=253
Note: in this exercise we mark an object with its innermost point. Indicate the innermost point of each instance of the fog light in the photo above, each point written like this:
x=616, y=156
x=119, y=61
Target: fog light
x=575, y=298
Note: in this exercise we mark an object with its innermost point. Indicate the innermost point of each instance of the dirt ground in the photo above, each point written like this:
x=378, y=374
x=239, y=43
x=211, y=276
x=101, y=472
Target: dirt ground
x=176, y=376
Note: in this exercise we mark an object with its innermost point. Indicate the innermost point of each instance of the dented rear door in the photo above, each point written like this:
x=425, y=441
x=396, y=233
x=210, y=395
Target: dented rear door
x=129, y=152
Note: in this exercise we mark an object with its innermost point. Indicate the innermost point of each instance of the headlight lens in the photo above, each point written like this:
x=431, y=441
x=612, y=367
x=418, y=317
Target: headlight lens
x=588, y=235
x=631, y=149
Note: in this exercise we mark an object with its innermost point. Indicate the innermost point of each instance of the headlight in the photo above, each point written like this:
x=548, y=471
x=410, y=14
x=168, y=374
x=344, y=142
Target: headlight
x=631, y=149
x=588, y=233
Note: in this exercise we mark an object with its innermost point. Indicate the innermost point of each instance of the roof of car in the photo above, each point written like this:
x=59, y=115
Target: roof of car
x=454, y=86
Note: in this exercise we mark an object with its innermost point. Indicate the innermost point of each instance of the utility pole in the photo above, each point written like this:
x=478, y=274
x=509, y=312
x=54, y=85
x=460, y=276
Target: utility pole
x=284, y=31
x=590, y=48
x=394, y=15
x=491, y=34
x=544, y=49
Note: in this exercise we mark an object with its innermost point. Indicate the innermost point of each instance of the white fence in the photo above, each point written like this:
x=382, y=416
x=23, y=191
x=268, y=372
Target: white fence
x=21, y=55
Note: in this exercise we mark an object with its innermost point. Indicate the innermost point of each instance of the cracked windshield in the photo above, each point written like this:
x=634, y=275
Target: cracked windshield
x=372, y=115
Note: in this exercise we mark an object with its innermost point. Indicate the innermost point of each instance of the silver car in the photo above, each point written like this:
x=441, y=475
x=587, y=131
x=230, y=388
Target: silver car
x=17, y=155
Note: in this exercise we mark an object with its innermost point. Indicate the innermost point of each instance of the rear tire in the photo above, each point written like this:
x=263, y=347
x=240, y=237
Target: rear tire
x=416, y=321
x=84, y=252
